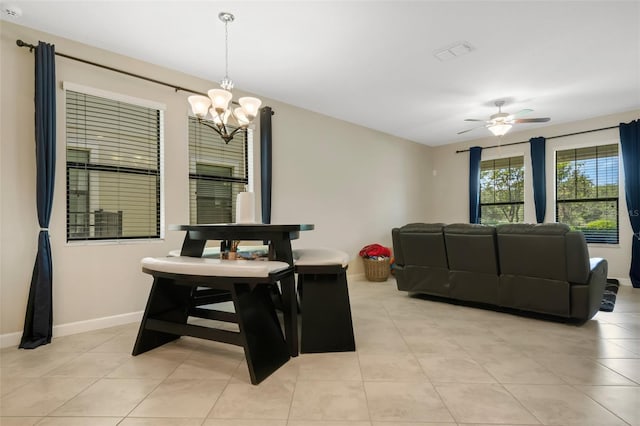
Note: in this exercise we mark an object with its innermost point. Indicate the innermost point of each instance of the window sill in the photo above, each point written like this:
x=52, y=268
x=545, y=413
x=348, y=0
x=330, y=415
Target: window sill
x=132, y=241
x=602, y=245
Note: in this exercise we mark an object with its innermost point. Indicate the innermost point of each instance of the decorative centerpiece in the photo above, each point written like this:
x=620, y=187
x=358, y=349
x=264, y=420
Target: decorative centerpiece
x=376, y=260
x=246, y=207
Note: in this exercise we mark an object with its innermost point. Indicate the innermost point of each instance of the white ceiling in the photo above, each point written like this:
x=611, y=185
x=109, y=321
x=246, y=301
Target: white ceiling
x=372, y=62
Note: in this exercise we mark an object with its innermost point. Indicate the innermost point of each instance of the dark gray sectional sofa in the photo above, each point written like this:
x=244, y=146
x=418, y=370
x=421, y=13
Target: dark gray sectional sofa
x=543, y=268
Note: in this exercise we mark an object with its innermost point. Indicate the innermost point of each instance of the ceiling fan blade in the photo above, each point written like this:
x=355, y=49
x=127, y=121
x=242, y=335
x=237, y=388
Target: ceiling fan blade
x=532, y=120
x=521, y=112
x=473, y=119
x=468, y=130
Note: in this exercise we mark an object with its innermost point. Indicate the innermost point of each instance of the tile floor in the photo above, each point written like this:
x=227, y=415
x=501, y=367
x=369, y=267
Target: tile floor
x=418, y=363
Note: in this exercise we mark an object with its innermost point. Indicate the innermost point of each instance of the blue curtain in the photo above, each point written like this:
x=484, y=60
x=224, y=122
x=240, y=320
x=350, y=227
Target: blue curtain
x=38, y=321
x=539, y=181
x=475, y=153
x=265, y=163
x=630, y=146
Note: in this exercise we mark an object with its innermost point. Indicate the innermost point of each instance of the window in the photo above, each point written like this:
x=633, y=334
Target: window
x=113, y=168
x=217, y=173
x=587, y=191
x=78, y=194
x=502, y=190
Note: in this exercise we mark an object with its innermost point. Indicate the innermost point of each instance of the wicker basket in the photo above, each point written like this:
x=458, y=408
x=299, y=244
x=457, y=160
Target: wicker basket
x=376, y=270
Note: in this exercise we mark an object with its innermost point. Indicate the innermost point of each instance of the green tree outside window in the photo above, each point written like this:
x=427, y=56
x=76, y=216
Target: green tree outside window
x=502, y=190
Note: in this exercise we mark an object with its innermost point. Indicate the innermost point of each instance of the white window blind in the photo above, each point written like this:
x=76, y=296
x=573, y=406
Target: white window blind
x=587, y=191
x=217, y=173
x=502, y=190
x=113, y=168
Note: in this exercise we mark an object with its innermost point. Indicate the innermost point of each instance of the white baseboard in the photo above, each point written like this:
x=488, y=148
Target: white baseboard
x=624, y=281
x=10, y=339
x=13, y=339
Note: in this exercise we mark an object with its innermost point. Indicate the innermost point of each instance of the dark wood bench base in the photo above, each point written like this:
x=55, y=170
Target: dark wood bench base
x=171, y=302
x=325, y=309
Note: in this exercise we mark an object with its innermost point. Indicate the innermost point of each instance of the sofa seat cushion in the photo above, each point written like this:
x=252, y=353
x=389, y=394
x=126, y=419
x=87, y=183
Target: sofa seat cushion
x=535, y=294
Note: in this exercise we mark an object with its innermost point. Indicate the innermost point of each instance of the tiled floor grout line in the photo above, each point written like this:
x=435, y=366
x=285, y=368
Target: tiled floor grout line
x=600, y=404
x=592, y=339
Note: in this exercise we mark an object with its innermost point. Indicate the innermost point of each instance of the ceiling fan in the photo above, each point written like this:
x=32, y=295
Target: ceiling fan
x=501, y=122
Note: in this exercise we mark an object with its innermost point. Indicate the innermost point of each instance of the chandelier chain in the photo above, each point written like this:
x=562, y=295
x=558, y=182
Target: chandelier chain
x=226, y=83
x=226, y=50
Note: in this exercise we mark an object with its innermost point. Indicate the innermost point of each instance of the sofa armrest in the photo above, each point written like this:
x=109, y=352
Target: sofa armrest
x=597, y=280
x=596, y=264
x=397, y=247
x=586, y=299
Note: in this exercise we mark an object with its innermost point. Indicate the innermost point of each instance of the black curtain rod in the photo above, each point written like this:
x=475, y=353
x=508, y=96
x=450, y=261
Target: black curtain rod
x=550, y=137
x=21, y=43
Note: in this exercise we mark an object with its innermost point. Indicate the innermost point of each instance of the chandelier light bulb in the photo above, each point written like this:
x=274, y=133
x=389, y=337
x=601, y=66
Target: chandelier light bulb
x=241, y=117
x=199, y=105
x=220, y=99
x=250, y=106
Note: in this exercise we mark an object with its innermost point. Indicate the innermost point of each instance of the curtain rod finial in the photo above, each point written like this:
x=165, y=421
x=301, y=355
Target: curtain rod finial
x=21, y=43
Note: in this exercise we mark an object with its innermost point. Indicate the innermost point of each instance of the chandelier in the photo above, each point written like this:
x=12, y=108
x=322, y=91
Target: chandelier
x=216, y=105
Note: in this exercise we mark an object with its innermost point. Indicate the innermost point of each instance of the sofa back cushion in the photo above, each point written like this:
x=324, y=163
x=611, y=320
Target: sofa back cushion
x=536, y=250
x=471, y=248
x=420, y=244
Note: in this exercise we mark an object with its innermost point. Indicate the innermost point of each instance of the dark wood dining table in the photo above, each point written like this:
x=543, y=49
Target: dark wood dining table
x=278, y=236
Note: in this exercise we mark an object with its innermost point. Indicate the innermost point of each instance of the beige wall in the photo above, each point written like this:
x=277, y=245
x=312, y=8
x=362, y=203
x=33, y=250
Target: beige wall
x=353, y=183
x=451, y=177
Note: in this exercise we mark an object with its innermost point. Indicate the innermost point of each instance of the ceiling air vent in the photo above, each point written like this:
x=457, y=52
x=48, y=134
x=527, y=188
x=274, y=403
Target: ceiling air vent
x=454, y=51
x=11, y=11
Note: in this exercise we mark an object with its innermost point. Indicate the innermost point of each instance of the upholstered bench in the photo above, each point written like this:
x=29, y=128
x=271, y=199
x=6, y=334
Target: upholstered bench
x=171, y=303
x=205, y=296
x=324, y=300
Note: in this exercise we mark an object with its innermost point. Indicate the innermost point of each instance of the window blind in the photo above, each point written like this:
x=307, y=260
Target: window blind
x=587, y=191
x=113, y=168
x=217, y=173
x=502, y=190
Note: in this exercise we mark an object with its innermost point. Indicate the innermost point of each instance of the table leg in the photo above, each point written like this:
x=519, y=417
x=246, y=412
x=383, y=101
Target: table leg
x=193, y=248
x=290, y=312
x=283, y=251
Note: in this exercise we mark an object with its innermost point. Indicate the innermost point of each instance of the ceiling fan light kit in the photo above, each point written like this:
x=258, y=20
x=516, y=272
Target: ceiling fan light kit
x=499, y=129
x=501, y=122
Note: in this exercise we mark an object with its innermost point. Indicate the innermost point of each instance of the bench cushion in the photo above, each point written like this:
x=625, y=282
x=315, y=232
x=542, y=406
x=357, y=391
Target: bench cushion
x=203, y=266
x=320, y=257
